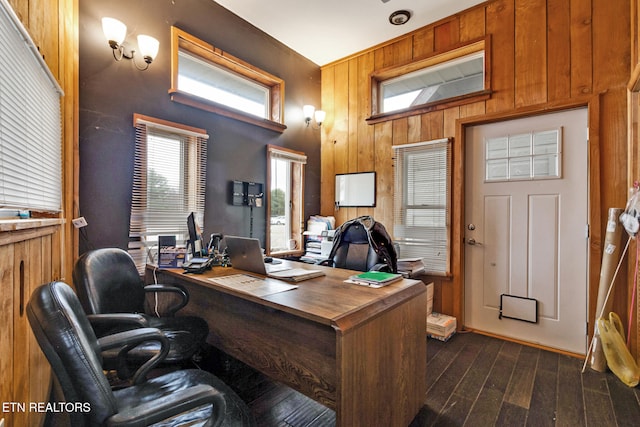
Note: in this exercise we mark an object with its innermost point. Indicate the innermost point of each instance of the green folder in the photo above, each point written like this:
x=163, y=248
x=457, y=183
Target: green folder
x=377, y=277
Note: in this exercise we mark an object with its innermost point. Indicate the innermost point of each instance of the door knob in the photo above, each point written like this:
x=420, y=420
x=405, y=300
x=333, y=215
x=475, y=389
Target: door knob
x=472, y=242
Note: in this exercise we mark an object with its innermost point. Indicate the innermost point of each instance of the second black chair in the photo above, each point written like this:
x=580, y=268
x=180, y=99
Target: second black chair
x=113, y=296
x=363, y=244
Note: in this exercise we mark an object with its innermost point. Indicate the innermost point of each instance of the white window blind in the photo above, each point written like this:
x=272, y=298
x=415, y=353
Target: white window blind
x=30, y=122
x=169, y=181
x=422, y=203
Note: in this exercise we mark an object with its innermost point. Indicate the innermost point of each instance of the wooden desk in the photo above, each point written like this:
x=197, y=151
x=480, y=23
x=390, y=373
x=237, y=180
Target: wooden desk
x=360, y=351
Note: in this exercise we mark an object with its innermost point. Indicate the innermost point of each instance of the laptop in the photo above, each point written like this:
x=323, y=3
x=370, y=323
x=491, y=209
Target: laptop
x=245, y=254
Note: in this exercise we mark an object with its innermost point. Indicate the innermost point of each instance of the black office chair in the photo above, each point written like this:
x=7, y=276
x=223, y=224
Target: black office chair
x=363, y=244
x=113, y=295
x=67, y=339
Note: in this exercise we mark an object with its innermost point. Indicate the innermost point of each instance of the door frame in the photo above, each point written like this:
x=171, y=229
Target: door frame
x=592, y=104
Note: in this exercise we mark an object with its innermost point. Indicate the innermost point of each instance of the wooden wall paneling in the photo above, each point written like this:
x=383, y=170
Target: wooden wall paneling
x=635, y=31
x=21, y=274
x=423, y=43
x=559, y=50
x=530, y=52
x=21, y=8
x=472, y=24
x=366, y=160
x=398, y=52
x=449, y=124
x=432, y=125
x=341, y=131
x=68, y=239
x=327, y=146
x=382, y=144
x=611, y=23
x=7, y=329
x=414, y=128
x=582, y=48
x=446, y=34
x=633, y=171
x=353, y=112
x=39, y=371
x=595, y=202
x=44, y=26
x=500, y=23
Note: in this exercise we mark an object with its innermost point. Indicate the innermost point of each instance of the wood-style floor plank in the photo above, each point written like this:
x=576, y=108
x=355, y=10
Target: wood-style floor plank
x=473, y=380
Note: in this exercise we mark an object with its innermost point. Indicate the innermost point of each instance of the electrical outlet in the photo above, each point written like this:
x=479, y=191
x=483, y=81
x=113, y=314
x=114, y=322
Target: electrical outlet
x=79, y=222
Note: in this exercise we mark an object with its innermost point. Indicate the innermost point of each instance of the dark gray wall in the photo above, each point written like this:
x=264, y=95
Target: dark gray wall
x=111, y=92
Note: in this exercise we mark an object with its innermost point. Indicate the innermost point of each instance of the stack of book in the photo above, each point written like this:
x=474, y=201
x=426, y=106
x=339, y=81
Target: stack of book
x=410, y=266
x=440, y=326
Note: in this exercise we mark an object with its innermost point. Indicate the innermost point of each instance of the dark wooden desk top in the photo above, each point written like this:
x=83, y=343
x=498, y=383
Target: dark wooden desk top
x=327, y=299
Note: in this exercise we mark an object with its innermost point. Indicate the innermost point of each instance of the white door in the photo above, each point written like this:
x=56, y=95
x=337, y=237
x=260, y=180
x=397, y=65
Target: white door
x=526, y=216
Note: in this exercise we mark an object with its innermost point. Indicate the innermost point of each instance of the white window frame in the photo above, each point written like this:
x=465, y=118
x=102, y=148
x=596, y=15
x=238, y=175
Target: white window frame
x=291, y=171
x=422, y=195
x=169, y=217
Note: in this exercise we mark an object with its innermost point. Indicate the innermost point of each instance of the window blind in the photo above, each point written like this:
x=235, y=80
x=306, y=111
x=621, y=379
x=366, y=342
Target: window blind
x=30, y=122
x=422, y=203
x=169, y=182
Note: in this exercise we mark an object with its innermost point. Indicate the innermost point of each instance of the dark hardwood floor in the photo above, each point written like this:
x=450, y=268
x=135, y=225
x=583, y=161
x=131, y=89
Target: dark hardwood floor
x=472, y=380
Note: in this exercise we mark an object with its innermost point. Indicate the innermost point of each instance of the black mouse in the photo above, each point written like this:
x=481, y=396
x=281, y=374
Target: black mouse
x=268, y=259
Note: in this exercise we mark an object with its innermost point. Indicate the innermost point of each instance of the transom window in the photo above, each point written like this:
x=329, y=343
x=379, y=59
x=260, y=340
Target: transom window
x=450, y=79
x=454, y=77
x=205, y=77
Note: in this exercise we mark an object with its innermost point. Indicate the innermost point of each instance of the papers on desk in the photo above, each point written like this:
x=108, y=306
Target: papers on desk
x=295, y=274
x=252, y=285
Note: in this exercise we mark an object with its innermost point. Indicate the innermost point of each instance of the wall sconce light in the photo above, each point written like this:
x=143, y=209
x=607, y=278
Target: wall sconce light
x=309, y=112
x=115, y=32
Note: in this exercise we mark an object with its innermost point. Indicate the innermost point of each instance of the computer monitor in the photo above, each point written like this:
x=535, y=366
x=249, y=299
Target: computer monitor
x=195, y=242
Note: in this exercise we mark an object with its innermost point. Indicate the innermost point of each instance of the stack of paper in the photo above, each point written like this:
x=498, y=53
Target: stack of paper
x=440, y=326
x=410, y=266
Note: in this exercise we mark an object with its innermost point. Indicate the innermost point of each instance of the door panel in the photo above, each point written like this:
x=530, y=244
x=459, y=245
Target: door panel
x=526, y=231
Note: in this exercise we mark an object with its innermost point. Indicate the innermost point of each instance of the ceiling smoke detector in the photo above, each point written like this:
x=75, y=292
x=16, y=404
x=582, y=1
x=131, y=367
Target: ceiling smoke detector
x=400, y=17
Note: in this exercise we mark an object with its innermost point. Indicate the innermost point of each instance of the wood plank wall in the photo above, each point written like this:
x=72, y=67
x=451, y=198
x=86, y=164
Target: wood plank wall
x=546, y=54
x=633, y=98
x=53, y=26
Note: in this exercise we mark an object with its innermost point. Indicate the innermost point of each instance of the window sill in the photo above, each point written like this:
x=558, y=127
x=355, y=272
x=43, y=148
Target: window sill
x=214, y=107
x=433, y=106
x=18, y=230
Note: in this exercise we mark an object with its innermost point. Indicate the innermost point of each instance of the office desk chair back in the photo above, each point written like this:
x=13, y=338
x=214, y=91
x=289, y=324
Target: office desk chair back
x=363, y=244
x=67, y=339
x=113, y=294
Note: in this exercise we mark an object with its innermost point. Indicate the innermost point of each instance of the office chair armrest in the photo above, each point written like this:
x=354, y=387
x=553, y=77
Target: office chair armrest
x=113, y=320
x=128, y=340
x=325, y=262
x=177, y=290
x=166, y=407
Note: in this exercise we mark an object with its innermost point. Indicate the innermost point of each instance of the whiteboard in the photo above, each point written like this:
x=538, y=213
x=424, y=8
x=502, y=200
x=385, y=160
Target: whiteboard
x=356, y=189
